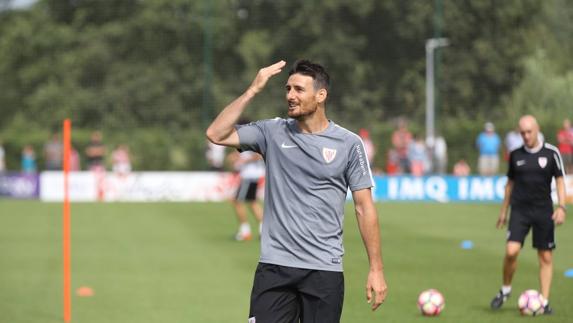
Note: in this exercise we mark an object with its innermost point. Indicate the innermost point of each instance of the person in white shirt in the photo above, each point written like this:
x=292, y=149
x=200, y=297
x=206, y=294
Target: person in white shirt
x=215, y=155
x=251, y=169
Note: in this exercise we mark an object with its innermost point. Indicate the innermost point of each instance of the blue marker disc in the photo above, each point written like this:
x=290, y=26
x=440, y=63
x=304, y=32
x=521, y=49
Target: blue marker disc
x=467, y=244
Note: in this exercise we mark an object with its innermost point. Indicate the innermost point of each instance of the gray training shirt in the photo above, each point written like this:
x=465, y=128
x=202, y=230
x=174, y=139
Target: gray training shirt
x=307, y=178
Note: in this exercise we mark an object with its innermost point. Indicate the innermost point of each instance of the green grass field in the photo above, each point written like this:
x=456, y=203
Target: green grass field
x=176, y=262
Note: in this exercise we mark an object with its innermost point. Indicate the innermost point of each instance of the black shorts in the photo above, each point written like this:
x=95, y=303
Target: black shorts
x=538, y=218
x=247, y=190
x=291, y=295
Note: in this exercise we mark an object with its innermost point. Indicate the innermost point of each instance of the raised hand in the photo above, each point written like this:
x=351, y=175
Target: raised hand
x=264, y=75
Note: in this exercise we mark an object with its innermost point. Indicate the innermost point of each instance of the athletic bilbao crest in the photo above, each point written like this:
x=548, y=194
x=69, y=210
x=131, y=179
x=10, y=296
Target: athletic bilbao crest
x=328, y=154
x=542, y=161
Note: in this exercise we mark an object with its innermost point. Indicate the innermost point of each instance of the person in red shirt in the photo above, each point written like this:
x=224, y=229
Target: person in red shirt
x=121, y=161
x=401, y=138
x=565, y=145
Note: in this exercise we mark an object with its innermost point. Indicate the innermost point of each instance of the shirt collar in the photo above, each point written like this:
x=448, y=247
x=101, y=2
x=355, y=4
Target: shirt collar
x=534, y=150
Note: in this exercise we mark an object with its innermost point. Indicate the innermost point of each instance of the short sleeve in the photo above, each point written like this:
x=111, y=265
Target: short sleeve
x=558, y=169
x=358, y=174
x=252, y=137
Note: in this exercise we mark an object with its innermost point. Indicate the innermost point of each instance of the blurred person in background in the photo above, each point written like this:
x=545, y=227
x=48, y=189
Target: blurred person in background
x=418, y=156
x=565, y=145
x=2, y=158
x=215, y=155
x=461, y=168
x=392, y=162
x=95, y=155
x=251, y=171
x=401, y=138
x=488, y=144
x=121, y=162
x=511, y=142
x=310, y=164
x=528, y=192
x=53, y=153
x=438, y=154
x=29, y=160
x=75, y=162
x=95, y=152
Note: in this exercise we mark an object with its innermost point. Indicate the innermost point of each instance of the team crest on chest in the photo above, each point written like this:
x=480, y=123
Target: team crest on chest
x=542, y=161
x=328, y=154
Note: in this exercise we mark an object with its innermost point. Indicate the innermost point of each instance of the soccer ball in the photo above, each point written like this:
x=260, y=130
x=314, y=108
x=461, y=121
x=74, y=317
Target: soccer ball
x=531, y=302
x=431, y=302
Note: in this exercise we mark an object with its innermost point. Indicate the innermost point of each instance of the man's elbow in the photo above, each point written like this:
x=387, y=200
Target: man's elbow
x=212, y=136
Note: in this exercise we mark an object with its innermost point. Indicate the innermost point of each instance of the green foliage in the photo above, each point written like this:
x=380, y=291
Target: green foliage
x=544, y=92
x=165, y=67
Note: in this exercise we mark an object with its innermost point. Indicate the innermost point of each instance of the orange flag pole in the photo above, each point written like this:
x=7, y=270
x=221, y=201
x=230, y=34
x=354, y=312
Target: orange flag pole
x=66, y=234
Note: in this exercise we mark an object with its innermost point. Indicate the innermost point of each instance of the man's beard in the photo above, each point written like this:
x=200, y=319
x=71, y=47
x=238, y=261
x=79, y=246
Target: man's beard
x=299, y=116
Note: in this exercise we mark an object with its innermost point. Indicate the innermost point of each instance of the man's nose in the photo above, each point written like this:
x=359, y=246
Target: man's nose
x=290, y=94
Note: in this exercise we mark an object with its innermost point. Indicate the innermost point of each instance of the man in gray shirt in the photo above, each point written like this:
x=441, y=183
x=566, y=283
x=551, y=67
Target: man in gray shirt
x=310, y=164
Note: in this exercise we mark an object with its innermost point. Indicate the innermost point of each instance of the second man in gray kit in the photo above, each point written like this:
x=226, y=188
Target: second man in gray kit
x=311, y=162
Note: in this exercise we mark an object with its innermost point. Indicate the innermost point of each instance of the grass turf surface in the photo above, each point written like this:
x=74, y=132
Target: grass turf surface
x=176, y=262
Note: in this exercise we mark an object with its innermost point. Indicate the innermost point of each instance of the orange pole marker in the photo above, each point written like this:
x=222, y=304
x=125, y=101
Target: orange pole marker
x=66, y=233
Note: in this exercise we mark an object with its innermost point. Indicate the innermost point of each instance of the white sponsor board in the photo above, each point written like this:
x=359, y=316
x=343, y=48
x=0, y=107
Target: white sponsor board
x=82, y=186
x=139, y=186
x=215, y=186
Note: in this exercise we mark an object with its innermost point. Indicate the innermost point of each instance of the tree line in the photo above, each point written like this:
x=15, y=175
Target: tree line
x=153, y=73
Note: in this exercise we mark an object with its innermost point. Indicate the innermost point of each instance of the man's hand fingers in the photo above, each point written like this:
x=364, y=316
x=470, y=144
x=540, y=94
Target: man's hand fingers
x=379, y=300
x=277, y=66
x=558, y=219
x=273, y=69
x=369, y=293
x=500, y=223
x=264, y=75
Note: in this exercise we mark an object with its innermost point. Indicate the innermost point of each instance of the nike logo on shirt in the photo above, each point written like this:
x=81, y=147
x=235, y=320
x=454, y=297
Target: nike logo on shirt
x=288, y=146
x=520, y=162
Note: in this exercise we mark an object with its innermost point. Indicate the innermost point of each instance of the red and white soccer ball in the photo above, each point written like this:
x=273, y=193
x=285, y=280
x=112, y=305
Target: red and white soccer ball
x=531, y=302
x=431, y=302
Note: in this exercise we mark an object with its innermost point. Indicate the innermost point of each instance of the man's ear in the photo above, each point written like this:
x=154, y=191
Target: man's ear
x=321, y=95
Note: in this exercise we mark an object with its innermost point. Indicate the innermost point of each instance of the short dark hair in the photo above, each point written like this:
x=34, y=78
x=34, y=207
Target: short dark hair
x=316, y=71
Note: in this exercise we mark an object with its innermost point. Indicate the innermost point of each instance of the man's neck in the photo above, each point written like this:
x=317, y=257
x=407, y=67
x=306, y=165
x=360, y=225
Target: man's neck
x=537, y=147
x=317, y=122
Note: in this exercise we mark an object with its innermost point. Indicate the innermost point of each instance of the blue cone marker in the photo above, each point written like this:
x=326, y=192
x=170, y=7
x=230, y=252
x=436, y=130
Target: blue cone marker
x=467, y=244
x=569, y=273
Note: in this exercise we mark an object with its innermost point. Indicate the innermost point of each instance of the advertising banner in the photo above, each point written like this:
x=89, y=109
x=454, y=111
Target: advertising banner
x=445, y=189
x=220, y=186
x=82, y=185
x=442, y=189
x=19, y=186
x=139, y=186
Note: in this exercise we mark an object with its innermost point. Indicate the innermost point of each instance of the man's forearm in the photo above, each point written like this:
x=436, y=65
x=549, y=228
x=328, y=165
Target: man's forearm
x=370, y=232
x=224, y=124
x=507, y=196
x=561, y=193
x=222, y=130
